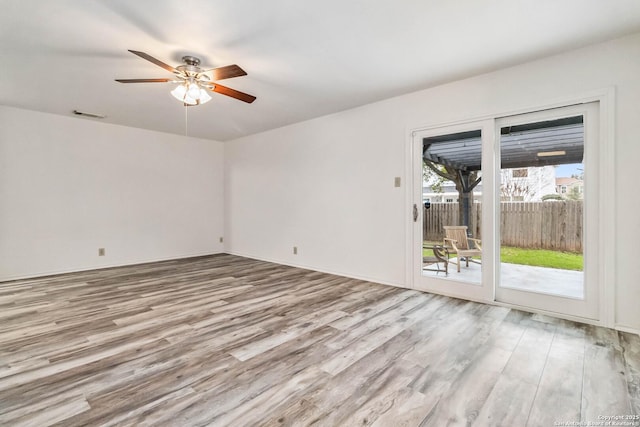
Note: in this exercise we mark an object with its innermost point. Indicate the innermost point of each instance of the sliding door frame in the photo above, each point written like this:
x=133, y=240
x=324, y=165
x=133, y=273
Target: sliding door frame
x=588, y=307
x=482, y=291
x=606, y=209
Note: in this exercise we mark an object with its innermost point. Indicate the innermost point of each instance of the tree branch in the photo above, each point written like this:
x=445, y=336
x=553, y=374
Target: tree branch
x=443, y=174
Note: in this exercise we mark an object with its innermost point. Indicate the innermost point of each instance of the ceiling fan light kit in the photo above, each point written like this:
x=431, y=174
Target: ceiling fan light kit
x=191, y=94
x=194, y=81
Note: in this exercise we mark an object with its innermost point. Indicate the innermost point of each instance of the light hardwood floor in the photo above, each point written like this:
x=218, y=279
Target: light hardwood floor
x=224, y=340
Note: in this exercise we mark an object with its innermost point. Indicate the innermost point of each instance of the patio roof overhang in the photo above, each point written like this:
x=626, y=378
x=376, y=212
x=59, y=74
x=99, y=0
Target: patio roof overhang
x=553, y=142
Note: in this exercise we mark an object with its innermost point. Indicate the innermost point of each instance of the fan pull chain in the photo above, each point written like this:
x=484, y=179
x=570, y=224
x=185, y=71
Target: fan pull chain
x=186, y=120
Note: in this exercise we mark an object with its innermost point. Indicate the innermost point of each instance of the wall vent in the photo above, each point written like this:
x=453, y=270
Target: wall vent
x=95, y=116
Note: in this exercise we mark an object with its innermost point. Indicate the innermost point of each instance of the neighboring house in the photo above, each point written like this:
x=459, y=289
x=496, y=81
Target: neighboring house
x=449, y=193
x=527, y=184
x=518, y=185
x=569, y=185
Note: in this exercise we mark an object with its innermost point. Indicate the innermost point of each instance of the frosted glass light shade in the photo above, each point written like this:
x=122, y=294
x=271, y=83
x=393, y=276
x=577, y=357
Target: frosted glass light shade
x=193, y=95
x=204, y=96
x=193, y=91
x=179, y=92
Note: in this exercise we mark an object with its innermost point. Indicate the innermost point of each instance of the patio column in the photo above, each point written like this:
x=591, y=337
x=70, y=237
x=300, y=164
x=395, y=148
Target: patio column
x=465, y=205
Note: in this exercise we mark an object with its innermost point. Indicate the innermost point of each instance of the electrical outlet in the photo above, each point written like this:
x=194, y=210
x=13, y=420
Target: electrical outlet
x=295, y=250
x=221, y=239
x=101, y=251
x=396, y=181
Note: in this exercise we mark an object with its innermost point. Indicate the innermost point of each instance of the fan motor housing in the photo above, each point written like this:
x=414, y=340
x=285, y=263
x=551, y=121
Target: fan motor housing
x=191, y=60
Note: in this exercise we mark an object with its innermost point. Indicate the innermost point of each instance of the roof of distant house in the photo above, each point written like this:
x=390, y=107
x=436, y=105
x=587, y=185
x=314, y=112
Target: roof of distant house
x=567, y=180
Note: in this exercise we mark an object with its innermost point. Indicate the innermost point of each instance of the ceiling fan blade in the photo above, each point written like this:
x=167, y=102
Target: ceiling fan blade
x=143, y=80
x=226, y=72
x=233, y=93
x=155, y=61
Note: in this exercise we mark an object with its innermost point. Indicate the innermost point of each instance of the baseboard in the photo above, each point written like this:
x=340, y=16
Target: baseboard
x=320, y=270
x=455, y=296
x=628, y=329
x=450, y=295
x=584, y=320
x=621, y=328
x=102, y=267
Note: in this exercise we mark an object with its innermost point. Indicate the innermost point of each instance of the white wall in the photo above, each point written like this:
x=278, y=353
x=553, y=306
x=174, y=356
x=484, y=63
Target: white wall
x=326, y=185
x=70, y=185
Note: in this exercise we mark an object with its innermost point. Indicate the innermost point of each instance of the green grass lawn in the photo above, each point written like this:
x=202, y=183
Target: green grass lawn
x=542, y=258
x=536, y=257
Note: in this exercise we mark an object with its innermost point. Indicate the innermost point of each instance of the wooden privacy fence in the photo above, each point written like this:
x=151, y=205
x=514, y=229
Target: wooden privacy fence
x=441, y=214
x=551, y=225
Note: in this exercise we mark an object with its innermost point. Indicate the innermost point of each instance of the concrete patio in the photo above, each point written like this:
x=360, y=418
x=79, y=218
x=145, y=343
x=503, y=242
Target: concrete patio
x=552, y=281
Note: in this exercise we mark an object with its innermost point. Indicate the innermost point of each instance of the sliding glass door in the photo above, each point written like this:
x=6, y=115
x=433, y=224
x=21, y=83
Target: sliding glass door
x=448, y=213
x=548, y=210
x=507, y=210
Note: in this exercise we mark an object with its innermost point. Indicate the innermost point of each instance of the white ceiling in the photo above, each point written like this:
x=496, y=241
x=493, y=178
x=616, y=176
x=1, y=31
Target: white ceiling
x=304, y=59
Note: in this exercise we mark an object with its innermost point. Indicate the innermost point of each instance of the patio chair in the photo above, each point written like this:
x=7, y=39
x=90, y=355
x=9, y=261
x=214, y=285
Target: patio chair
x=456, y=239
x=440, y=256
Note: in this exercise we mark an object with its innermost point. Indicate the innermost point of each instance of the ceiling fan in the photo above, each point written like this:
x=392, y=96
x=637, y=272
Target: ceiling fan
x=193, y=82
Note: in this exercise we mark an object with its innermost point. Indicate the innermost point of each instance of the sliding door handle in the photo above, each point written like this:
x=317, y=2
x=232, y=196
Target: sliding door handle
x=415, y=212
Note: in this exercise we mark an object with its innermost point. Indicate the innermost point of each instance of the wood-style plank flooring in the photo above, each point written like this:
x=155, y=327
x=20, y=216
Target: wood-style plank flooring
x=229, y=341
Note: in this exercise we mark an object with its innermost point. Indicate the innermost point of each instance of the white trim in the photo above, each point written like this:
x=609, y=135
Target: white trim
x=590, y=306
x=550, y=313
x=607, y=207
x=587, y=96
x=319, y=270
x=408, y=203
x=627, y=329
x=490, y=215
x=446, y=294
x=103, y=267
x=455, y=295
x=481, y=291
x=606, y=97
